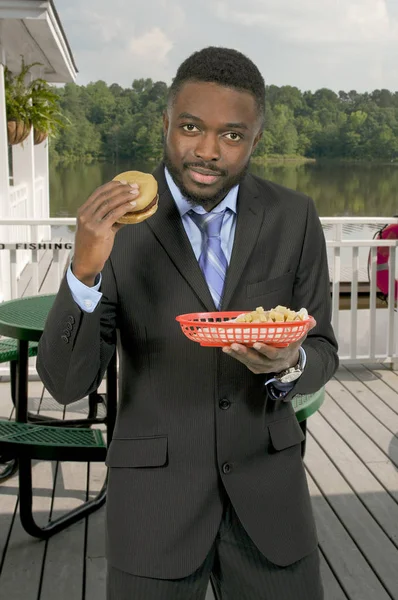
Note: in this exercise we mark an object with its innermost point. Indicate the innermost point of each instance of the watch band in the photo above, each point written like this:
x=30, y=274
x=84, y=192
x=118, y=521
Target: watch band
x=279, y=385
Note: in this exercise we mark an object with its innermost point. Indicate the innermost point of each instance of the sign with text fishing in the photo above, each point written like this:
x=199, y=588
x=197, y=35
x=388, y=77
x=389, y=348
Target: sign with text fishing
x=37, y=246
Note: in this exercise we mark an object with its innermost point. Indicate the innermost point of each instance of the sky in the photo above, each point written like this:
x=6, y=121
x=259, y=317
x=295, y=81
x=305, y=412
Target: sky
x=310, y=44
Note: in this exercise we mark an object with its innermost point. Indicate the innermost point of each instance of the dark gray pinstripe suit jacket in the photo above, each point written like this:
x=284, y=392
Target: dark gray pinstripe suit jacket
x=172, y=438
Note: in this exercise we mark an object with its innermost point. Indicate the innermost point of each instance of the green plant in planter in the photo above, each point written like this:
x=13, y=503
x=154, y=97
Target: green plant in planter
x=31, y=104
x=17, y=104
x=45, y=114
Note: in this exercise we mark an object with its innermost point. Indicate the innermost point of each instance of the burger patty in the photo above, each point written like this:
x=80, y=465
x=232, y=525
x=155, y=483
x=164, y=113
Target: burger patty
x=137, y=212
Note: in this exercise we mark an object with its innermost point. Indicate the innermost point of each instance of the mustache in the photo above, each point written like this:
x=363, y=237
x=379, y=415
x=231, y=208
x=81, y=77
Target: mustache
x=208, y=167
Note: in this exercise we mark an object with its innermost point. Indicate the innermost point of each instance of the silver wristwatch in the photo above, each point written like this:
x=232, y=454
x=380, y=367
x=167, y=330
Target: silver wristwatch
x=291, y=374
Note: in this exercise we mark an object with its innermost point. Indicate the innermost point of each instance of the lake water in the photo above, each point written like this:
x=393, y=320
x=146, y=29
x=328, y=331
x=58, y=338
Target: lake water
x=337, y=189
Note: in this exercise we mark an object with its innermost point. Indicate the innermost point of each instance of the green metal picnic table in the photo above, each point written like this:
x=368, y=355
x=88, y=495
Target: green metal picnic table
x=34, y=437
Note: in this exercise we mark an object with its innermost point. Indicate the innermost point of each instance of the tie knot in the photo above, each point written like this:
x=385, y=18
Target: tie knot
x=209, y=223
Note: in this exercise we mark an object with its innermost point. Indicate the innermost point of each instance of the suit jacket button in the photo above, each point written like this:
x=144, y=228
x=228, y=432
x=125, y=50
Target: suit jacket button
x=71, y=319
x=64, y=339
x=66, y=332
x=69, y=325
x=224, y=404
x=226, y=468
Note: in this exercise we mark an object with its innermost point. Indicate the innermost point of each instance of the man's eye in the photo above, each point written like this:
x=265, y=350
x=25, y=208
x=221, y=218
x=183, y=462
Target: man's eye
x=233, y=136
x=189, y=127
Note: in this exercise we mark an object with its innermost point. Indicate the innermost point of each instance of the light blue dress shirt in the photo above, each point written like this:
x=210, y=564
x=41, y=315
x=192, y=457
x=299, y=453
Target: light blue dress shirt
x=87, y=298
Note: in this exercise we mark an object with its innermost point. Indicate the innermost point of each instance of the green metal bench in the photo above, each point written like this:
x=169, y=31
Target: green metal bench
x=28, y=442
x=45, y=442
x=59, y=440
x=9, y=353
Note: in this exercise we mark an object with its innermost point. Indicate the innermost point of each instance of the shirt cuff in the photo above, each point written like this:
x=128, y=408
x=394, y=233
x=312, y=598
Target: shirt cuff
x=87, y=298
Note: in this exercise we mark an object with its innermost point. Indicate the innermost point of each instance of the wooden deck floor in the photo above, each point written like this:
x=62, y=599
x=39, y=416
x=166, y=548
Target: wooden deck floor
x=352, y=466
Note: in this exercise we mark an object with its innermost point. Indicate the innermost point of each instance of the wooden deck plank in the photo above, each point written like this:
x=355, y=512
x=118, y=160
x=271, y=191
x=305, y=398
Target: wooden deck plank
x=331, y=586
x=383, y=382
x=353, y=379
x=350, y=453
x=95, y=549
x=363, y=447
x=377, y=548
x=384, y=439
x=354, y=573
x=21, y=575
x=64, y=565
x=25, y=281
x=48, y=273
x=359, y=477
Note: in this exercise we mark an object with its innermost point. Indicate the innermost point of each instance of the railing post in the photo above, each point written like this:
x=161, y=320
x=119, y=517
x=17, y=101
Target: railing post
x=13, y=274
x=336, y=289
x=354, y=302
x=35, y=274
x=391, y=306
x=372, y=301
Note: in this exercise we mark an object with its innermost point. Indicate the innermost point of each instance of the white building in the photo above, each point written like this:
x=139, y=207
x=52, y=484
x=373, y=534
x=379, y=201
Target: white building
x=32, y=29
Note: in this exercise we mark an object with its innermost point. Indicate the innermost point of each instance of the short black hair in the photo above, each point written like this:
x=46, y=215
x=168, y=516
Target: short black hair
x=224, y=66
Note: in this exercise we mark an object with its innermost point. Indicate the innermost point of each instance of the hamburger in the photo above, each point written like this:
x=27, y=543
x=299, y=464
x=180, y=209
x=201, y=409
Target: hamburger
x=147, y=201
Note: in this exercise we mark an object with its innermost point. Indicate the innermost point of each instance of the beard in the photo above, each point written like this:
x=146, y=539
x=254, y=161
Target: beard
x=197, y=199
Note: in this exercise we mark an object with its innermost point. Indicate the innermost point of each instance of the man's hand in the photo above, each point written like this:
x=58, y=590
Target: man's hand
x=97, y=226
x=263, y=358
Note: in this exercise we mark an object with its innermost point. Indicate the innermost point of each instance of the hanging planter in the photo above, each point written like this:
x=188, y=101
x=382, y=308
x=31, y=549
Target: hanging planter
x=34, y=104
x=17, y=131
x=39, y=136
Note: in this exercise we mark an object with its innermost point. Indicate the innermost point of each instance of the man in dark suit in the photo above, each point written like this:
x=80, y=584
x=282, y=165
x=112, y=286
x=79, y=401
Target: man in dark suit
x=206, y=475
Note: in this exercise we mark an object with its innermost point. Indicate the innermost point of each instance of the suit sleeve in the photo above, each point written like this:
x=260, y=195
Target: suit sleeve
x=312, y=291
x=76, y=346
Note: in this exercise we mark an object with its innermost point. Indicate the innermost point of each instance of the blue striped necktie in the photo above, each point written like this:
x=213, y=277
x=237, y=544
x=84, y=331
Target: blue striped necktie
x=212, y=259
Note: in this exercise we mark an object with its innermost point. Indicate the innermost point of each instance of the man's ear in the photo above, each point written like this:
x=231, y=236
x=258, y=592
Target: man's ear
x=257, y=139
x=166, y=122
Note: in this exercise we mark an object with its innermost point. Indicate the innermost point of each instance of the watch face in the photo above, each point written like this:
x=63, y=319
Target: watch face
x=289, y=377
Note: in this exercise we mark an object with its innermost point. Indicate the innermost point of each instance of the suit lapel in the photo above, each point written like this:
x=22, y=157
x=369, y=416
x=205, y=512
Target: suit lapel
x=167, y=226
x=248, y=225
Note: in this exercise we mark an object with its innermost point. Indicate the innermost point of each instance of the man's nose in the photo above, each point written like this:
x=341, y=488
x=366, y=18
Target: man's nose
x=208, y=147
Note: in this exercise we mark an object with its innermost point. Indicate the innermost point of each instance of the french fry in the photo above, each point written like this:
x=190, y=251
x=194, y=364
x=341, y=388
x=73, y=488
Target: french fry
x=279, y=314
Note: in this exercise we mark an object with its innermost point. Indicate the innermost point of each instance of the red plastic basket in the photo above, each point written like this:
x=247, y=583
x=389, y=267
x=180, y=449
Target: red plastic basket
x=216, y=329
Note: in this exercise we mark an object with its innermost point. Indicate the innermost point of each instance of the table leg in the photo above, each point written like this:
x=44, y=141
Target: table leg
x=26, y=505
x=21, y=408
x=111, y=397
x=303, y=425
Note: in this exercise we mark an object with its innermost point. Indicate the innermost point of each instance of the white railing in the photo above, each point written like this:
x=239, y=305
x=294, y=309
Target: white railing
x=18, y=199
x=364, y=334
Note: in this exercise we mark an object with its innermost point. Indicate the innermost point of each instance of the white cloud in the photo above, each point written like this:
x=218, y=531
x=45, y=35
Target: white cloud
x=314, y=21
x=154, y=45
x=107, y=26
x=341, y=44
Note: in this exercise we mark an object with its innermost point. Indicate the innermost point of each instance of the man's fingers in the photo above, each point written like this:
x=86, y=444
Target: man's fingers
x=115, y=213
x=252, y=359
x=105, y=194
x=117, y=227
x=312, y=324
x=108, y=206
x=269, y=351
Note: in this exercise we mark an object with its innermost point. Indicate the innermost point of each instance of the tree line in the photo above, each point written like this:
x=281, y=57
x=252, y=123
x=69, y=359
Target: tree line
x=115, y=123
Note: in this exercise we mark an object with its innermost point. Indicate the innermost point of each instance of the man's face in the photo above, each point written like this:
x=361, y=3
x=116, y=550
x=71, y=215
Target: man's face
x=210, y=134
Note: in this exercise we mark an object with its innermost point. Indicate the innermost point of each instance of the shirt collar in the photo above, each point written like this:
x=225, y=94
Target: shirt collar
x=183, y=206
